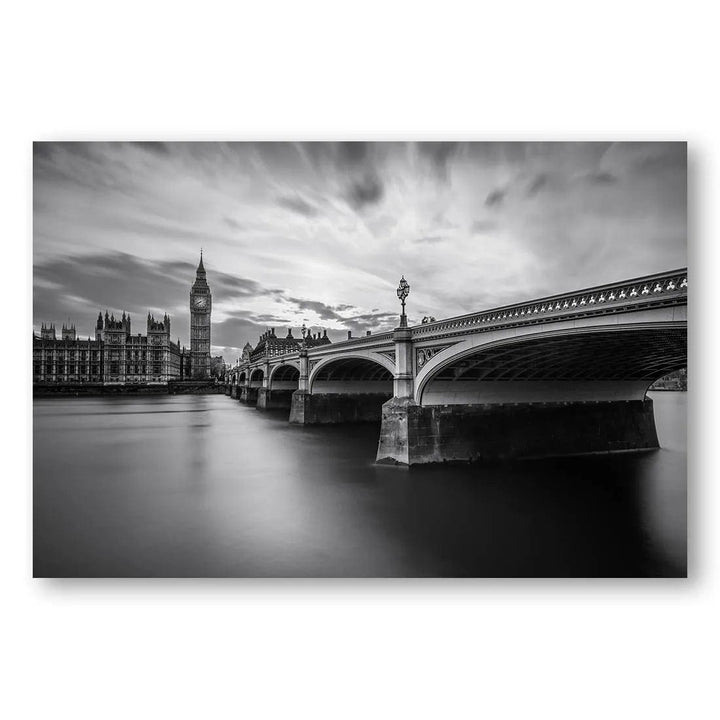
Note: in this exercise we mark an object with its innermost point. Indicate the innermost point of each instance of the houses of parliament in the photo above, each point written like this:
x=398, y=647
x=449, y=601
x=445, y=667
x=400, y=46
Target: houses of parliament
x=115, y=356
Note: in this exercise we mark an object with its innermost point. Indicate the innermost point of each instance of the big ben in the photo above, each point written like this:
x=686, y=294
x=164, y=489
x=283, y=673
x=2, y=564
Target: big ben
x=200, y=309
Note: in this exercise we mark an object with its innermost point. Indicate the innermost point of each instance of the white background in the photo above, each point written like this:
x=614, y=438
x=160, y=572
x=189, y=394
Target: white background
x=351, y=649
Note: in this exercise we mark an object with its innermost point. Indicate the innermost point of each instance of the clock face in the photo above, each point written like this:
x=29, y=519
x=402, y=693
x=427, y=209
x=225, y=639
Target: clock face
x=200, y=302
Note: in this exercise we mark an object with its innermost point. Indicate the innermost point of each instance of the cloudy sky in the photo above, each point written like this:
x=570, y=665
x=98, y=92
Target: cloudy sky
x=321, y=232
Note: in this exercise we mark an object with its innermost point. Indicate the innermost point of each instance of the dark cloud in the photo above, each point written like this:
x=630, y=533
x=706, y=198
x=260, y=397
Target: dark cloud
x=87, y=150
x=83, y=168
x=297, y=205
x=482, y=226
x=231, y=223
x=352, y=153
x=375, y=322
x=326, y=312
x=601, y=178
x=368, y=190
x=495, y=198
x=661, y=158
x=439, y=155
x=157, y=148
x=236, y=330
x=269, y=319
x=234, y=285
x=43, y=150
x=78, y=287
x=498, y=153
x=537, y=184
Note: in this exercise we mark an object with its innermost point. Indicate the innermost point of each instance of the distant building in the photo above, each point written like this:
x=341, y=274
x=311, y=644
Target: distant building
x=674, y=381
x=270, y=344
x=66, y=359
x=117, y=357
x=200, y=312
x=114, y=357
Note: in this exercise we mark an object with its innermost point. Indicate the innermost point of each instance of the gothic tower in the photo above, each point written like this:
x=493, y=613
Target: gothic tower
x=200, y=308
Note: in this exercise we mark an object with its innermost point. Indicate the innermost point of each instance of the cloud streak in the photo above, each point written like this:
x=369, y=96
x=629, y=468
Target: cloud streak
x=495, y=198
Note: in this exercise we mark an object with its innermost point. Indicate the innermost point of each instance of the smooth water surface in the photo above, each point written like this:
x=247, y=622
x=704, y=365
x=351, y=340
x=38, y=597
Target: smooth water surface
x=206, y=486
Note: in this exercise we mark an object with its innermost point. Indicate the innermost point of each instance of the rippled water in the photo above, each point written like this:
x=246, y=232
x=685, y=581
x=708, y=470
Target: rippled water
x=205, y=486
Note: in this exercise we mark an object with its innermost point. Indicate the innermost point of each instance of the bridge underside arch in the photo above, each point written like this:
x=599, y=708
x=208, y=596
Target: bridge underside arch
x=285, y=377
x=348, y=389
x=596, y=365
x=352, y=376
x=256, y=377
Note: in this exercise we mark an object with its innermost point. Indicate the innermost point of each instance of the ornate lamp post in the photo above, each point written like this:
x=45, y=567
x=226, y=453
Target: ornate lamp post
x=402, y=292
x=303, y=385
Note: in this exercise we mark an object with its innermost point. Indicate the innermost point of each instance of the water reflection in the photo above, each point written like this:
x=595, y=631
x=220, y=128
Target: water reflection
x=204, y=486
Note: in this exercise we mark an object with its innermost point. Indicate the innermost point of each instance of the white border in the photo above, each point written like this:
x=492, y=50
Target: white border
x=322, y=70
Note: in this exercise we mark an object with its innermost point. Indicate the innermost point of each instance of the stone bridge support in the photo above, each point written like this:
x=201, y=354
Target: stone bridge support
x=414, y=434
x=249, y=390
x=397, y=430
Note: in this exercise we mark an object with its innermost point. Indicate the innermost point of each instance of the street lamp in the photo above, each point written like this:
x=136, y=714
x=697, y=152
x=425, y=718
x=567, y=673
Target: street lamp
x=402, y=292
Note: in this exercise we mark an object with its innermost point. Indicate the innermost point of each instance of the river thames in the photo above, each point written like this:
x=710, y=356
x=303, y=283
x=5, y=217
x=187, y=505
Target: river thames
x=173, y=486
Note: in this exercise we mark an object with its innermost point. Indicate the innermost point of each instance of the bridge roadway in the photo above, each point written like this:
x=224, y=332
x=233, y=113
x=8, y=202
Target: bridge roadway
x=565, y=374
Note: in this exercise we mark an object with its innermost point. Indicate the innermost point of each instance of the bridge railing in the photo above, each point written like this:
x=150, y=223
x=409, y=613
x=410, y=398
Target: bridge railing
x=651, y=290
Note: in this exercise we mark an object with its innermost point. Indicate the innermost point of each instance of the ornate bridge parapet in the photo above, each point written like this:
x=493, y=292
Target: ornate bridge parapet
x=666, y=288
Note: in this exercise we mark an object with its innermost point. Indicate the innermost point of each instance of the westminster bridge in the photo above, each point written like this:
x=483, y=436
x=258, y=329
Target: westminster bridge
x=565, y=374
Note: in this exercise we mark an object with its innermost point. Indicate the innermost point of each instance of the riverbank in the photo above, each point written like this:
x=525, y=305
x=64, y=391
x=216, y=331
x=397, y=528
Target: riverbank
x=180, y=387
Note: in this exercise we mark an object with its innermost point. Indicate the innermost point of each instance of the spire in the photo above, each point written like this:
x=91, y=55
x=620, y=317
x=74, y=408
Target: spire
x=201, y=267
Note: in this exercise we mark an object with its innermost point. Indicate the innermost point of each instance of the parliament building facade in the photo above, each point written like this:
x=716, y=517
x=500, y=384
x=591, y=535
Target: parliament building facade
x=117, y=357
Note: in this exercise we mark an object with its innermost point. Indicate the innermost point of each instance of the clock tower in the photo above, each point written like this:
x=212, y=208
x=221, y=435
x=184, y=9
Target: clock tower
x=200, y=307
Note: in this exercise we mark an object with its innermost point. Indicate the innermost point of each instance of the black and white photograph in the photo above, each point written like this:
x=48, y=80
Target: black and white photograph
x=360, y=359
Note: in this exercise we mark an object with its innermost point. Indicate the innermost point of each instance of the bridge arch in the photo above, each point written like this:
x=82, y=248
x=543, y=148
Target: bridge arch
x=571, y=364
x=284, y=376
x=257, y=375
x=241, y=377
x=352, y=374
x=347, y=387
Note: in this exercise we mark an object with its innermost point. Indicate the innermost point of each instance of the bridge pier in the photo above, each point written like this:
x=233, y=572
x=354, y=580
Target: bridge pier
x=413, y=434
x=268, y=399
x=332, y=408
x=248, y=395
